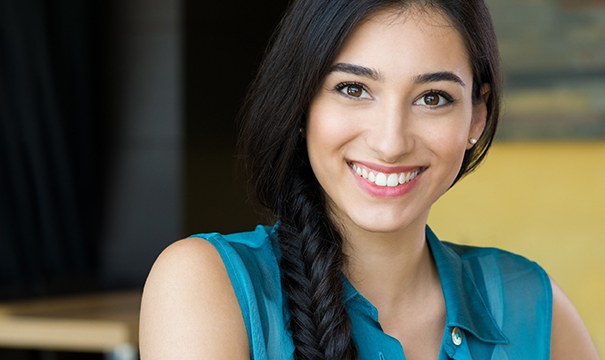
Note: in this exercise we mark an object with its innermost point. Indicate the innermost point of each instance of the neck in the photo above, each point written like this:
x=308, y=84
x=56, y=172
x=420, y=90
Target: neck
x=391, y=270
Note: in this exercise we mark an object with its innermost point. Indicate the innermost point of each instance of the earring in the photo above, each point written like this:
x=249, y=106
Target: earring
x=473, y=141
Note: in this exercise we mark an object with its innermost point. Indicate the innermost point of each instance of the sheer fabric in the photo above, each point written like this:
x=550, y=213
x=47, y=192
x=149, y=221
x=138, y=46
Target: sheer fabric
x=498, y=304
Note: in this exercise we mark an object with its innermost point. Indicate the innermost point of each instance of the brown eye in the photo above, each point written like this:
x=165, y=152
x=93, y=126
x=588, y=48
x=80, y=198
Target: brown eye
x=431, y=99
x=434, y=99
x=354, y=90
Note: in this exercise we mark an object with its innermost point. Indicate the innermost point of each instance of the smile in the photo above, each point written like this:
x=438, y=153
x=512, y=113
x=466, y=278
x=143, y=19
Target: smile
x=384, y=179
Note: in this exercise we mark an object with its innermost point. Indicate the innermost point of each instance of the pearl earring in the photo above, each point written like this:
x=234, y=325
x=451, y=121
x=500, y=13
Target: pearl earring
x=473, y=141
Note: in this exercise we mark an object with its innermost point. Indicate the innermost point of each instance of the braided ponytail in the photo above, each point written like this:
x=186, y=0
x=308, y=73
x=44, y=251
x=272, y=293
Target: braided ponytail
x=311, y=266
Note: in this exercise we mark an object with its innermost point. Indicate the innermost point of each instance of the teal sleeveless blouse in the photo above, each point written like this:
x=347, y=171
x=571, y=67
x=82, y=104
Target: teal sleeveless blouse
x=498, y=304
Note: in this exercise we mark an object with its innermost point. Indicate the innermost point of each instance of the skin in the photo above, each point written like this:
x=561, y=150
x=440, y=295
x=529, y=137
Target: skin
x=385, y=119
x=189, y=308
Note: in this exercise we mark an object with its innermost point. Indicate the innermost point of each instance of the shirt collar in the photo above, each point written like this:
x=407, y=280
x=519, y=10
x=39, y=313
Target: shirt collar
x=465, y=307
x=464, y=304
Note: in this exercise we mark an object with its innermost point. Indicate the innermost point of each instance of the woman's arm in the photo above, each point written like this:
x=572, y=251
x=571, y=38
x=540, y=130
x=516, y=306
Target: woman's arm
x=570, y=338
x=189, y=308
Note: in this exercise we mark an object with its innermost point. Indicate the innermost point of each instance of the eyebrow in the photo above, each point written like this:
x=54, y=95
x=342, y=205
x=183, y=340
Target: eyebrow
x=356, y=70
x=438, y=76
x=375, y=75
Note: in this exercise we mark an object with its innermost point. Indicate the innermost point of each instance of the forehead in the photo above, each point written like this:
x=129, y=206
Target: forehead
x=411, y=40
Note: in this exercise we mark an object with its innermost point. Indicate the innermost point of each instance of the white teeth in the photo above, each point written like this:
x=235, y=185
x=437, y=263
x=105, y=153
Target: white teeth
x=382, y=179
x=393, y=180
x=401, y=178
x=371, y=177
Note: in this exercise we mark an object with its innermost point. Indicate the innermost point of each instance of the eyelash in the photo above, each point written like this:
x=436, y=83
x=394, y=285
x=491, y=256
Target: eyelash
x=450, y=100
x=343, y=85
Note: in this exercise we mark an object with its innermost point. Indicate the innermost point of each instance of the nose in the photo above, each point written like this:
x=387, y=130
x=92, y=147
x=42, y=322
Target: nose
x=390, y=134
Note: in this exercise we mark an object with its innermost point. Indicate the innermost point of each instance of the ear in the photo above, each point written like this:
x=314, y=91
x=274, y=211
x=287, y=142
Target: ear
x=479, y=118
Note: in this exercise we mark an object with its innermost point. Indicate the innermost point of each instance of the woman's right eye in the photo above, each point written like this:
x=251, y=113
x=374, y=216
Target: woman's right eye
x=353, y=90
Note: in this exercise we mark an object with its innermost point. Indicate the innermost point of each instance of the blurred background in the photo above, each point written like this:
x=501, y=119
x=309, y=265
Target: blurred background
x=117, y=133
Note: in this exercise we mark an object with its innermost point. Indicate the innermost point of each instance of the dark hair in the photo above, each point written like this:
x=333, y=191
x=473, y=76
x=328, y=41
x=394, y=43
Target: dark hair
x=275, y=156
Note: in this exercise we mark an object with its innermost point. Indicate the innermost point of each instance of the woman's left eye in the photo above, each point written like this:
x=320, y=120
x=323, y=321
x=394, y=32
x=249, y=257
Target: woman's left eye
x=434, y=99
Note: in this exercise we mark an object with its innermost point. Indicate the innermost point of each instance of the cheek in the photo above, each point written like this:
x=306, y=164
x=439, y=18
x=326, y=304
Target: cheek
x=318, y=138
x=326, y=118
x=452, y=131
x=447, y=138
x=328, y=129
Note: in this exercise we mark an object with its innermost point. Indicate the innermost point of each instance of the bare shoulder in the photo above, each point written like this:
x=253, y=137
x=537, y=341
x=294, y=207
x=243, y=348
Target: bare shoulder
x=570, y=338
x=189, y=308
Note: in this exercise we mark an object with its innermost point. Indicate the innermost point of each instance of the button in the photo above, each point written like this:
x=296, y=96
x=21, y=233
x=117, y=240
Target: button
x=457, y=336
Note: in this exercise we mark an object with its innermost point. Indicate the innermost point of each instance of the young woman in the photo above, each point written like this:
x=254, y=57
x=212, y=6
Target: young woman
x=363, y=114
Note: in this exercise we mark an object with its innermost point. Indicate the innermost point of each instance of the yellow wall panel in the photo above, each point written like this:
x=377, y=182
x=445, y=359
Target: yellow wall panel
x=545, y=201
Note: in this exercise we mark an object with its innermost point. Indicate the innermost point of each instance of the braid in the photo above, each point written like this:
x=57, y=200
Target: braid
x=311, y=264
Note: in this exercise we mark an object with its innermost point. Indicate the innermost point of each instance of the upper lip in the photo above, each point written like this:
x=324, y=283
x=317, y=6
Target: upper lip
x=387, y=169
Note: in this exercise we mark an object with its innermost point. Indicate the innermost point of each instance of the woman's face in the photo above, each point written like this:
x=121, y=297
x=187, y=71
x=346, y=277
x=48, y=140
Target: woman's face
x=387, y=131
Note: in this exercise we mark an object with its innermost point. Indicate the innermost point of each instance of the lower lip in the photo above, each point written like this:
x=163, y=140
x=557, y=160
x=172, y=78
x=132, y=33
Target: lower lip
x=385, y=191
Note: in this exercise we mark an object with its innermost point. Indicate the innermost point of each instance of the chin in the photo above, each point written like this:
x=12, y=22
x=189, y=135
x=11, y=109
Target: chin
x=384, y=223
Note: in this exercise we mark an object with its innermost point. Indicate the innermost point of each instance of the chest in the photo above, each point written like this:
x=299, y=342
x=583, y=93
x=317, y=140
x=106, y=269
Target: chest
x=420, y=335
